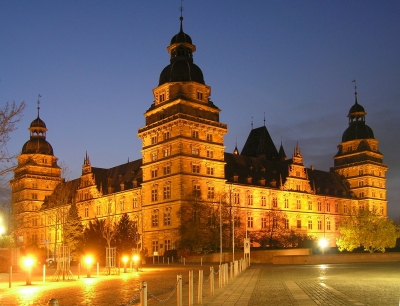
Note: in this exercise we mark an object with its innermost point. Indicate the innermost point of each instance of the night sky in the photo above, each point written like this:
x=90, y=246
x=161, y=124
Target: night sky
x=95, y=64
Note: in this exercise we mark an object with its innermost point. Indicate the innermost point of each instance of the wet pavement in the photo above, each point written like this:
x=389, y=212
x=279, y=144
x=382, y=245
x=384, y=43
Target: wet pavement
x=332, y=284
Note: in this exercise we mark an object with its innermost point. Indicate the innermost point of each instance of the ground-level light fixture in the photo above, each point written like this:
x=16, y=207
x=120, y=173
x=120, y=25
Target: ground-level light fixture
x=323, y=243
x=125, y=260
x=88, y=262
x=136, y=259
x=28, y=263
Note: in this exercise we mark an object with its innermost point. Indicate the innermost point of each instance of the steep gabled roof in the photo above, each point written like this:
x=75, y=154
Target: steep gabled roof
x=259, y=144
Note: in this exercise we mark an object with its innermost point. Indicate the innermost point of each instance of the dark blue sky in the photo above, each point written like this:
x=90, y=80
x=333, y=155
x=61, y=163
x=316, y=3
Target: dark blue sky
x=95, y=64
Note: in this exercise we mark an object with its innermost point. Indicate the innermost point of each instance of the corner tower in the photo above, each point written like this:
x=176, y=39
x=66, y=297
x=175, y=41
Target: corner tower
x=182, y=146
x=35, y=177
x=360, y=163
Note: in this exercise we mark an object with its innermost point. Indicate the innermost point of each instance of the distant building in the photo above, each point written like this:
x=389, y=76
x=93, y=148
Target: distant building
x=183, y=155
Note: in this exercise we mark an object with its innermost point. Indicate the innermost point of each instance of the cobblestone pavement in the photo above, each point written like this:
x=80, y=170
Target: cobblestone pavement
x=333, y=284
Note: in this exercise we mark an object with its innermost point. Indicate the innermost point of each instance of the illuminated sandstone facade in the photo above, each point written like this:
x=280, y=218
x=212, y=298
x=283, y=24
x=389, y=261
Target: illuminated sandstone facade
x=183, y=157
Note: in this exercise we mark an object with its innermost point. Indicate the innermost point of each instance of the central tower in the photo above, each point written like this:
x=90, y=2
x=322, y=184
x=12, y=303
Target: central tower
x=182, y=146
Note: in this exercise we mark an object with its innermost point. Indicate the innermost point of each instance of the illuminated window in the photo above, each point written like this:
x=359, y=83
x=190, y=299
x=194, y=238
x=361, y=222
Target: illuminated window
x=154, y=195
x=263, y=222
x=250, y=222
x=210, y=171
x=196, y=168
x=154, y=219
x=167, y=192
x=195, y=134
x=196, y=190
x=167, y=217
x=167, y=244
x=167, y=152
x=154, y=139
x=310, y=224
x=210, y=192
x=154, y=246
x=360, y=172
x=167, y=170
x=263, y=201
x=154, y=173
x=195, y=151
x=209, y=137
x=154, y=156
x=167, y=135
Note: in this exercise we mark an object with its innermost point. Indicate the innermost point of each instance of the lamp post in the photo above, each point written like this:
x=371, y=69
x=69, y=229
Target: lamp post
x=28, y=263
x=88, y=261
x=323, y=243
x=135, y=259
x=125, y=260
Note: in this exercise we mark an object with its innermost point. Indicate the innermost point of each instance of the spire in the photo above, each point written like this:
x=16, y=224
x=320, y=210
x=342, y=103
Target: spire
x=297, y=158
x=181, y=18
x=38, y=103
x=281, y=153
x=251, y=122
x=355, y=90
x=236, y=151
x=264, y=118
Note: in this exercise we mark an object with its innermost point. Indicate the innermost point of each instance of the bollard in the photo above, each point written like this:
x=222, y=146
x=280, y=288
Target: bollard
x=231, y=271
x=143, y=294
x=179, y=290
x=44, y=273
x=219, y=277
x=200, y=288
x=10, y=278
x=191, y=292
x=211, y=281
x=52, y=302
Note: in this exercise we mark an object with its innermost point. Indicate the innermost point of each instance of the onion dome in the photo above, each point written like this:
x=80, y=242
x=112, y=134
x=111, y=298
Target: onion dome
x=181, y=67
x=357, y=128
x=37, y=142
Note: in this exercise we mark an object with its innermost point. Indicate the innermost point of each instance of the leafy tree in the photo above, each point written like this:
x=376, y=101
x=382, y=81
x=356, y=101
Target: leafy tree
x=125, y=235
x=73, y=229
x=93, y=240
x=367, y=229
x=6, y=242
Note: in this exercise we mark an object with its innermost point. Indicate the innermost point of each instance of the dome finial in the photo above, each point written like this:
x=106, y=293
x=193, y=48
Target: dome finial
x=355, y=90
x=38, y=103
x=181, y=18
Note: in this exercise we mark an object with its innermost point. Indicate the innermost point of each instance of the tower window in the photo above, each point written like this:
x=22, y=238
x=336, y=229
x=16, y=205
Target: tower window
x=154, y=173
x=210, y=192
x=196, y=168
x=210, y=171
x=167, y=170
x=195, y=134
x=210, y=154
x=209, y=137
x=154, y=195
x=167, y=192
x=199, y=95
x=153, y=139
x=162, y=97
x=167, y=135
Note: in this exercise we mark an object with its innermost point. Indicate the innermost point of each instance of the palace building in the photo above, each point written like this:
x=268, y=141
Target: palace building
x=183, y=154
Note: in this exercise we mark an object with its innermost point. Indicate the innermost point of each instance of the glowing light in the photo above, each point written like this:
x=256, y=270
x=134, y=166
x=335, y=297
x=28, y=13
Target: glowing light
x=323, y=243
x=28, y=262
x=125, y=259
x=88, y=260
x=135, y=258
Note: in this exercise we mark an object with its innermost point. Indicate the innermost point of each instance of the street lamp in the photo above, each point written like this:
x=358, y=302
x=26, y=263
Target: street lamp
x=135, y=259
x=88, y=261
x=323, y=243
x=28, y=263
x=125, y=260
x=2, y=228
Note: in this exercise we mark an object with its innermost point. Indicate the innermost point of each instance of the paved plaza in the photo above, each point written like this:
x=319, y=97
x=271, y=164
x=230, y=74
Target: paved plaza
x=260, y=284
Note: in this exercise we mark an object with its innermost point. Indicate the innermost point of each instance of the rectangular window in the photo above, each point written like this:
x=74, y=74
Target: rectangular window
x=236, y=198
x=319, y=224
x=309, y=205
x=274, y=202
x=360, y=183
x=286, y=222
x=336, y=207
x=154, y=245
x=328, y=207
x=195, y=151
x=210, y=154
x=298, y=204
x=210, y=171
x=154, y=219
x=310, y=224
x=263, y=222
x=345, y=208
x=122, y=205
x=250, y=199
x=209, y=137
x=199, y=95
x=154, y=156
x=162, y=97
x=167, y=170
x=166, y=152
x=154, y=195
x=34, y=185
x=263, y=201
x=196, y=191
x=135, y=203
x=360, y=172
x=319, y=206
x=34, y=196
x=167, y=244
x=196, y=168
x=250, y=222
x=328, y=225
x=167, y=218
x=336, y=226
x=167, y=135
x=195, y=134
x=298, y=223
x=86, y=212
x=154, y=139
x=167, y=192
x=286, y=203
x=154, y=173
x=210, y=192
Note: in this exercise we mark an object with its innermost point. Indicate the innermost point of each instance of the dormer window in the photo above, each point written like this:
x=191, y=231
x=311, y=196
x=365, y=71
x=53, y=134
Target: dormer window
x=199, y=95
x=161, y=97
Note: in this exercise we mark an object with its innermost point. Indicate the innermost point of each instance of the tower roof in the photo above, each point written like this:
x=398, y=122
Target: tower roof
x=259, y=144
